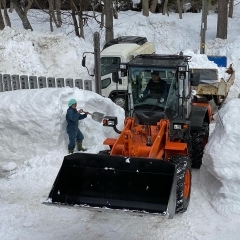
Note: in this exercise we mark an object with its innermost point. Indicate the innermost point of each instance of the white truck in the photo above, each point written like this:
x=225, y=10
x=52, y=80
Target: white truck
x=120, y=50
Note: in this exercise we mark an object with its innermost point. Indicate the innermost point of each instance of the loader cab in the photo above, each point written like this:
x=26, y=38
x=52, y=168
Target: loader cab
x=154, y=105
x=173, y=71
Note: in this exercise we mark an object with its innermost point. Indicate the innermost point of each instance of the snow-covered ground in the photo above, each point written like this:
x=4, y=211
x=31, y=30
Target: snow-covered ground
x=33, y=140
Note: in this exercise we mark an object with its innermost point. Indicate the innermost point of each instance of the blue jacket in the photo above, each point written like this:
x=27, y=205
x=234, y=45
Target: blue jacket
x=72, y=118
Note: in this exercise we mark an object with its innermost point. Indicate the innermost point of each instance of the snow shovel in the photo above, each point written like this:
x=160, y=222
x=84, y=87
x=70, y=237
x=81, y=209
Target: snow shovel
x=96, y=116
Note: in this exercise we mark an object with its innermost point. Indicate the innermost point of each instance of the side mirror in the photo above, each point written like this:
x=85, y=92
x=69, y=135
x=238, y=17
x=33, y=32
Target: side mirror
x=122, y=73
x=115, y=77
x=195, y=79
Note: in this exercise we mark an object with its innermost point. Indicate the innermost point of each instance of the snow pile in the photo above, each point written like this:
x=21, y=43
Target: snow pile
x=222, y=156
x=32, y=122
x=9, y=166
x=156, y=29
x=41, y=54
x=202, y=61
x=32, y=126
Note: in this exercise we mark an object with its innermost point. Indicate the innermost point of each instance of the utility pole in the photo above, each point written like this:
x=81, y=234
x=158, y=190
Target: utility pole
x=96, y=39
x=203, y=26
x=109, y=20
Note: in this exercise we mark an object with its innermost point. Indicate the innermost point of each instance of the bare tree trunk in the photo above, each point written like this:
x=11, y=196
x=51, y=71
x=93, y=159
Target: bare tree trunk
x=11, y=7
x=78, y=25
x=58, y=10
x=153, y=6
x=52, y=15
x=165, y=7
x=109, y=20
x=28, y=6
x=75, y=22
x=80, y=20
x=222, y=21
x=6, y=17
x=208, y=6
x=145, y=8
x=2, y=25
x=115, y=13
x=230, y=12
x=179, y=8
x=103, y=16
x=20, y=12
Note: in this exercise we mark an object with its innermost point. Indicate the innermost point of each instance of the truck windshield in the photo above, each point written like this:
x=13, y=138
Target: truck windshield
x=109, y=65
x=156, y=88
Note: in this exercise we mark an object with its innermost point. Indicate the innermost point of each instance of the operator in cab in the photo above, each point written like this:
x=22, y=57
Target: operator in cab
x=155, y=86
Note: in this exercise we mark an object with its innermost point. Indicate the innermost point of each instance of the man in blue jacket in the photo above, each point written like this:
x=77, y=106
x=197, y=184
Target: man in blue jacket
x=73, y=116
x=155, y=86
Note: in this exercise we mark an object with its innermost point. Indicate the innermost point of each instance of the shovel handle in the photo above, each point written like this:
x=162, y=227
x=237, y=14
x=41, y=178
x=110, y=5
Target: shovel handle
x=81, y=111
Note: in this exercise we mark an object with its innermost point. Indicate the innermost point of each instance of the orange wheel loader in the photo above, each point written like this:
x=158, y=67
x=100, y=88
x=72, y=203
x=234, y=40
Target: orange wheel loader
x=148, y=167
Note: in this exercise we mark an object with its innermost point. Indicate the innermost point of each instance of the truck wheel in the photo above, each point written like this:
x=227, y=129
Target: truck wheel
x=199, y=139
x=184, y=179
x=120, y=100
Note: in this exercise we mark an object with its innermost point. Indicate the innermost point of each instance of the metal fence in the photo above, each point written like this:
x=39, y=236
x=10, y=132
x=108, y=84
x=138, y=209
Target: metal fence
x=15, y=82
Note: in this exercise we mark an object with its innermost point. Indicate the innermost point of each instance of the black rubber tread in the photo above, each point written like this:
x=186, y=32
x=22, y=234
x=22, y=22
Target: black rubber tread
x=199, y=140
x=182, y=164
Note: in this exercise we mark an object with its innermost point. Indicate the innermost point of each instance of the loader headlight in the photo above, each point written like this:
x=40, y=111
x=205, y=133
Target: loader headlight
x=109, y=121
x=177, y=126
x=123, y=66
x=182, y=69
x=180, y=126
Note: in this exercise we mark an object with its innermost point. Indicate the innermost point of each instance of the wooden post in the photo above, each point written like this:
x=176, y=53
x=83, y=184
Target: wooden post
x=98, y=87
x=203, y=26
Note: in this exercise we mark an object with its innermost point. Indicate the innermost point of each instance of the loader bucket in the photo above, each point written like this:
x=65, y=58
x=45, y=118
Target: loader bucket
x=116, y=182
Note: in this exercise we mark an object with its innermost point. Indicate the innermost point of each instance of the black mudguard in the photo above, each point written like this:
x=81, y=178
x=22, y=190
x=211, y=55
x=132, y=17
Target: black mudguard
x=197, y=117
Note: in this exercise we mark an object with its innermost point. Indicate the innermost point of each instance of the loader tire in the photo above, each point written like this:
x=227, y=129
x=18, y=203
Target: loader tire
x=184, y=179
x=199, y=139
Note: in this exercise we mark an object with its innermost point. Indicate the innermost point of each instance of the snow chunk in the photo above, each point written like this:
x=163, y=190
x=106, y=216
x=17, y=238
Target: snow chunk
x=9, y=166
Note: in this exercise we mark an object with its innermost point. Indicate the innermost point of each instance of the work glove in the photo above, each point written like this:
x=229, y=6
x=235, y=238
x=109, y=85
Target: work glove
x=80, y=111
x=86, y=113
x=141, y=95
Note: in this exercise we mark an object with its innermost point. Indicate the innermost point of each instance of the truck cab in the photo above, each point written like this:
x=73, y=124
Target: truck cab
x=115, y=53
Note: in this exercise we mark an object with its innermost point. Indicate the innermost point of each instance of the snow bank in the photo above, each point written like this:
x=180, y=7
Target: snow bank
x=42, y=54
x=32, y=122
x=222, y=157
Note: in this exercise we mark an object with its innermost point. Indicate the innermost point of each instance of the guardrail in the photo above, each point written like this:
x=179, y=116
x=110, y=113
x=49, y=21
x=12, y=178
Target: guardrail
x=15, y=82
